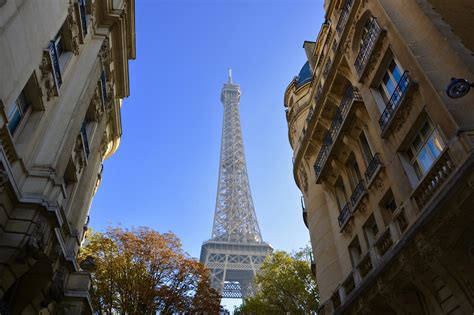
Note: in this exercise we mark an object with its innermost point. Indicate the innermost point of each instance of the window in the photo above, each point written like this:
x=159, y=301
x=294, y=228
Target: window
x=85, y=137
x=340, y=193
x=17, y=111
x=366, y=150
x=371, y=230
x=425, y=148
x=354, y=171
x=355, y=251
x=390, y=80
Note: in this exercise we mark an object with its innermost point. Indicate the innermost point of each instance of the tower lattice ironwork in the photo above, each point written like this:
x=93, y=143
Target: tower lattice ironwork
x=236, y=250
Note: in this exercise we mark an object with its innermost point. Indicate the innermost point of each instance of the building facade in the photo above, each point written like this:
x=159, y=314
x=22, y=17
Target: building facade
x=384, y=158
x=64, y=71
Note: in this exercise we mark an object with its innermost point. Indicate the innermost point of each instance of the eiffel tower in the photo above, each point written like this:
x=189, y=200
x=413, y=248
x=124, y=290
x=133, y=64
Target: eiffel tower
x=236, y=251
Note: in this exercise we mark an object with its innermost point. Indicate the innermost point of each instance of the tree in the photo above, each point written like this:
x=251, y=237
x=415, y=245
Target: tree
x=285, y=284
x=142, y=272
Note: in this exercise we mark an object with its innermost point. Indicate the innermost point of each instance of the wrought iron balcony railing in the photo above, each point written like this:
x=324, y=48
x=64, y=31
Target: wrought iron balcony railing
x=323, y=154
x=350, y=95
x=103, y=88
x=341, y=23
x=373, y=166
x=395, y=100
x=53, y=53
x=83, y=14
x=305, y=215
x=344, y=215
x=85, y=139
x=357, y=194
x=368, y=44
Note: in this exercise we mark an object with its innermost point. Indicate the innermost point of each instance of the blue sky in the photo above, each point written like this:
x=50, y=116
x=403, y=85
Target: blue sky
x=164, y=174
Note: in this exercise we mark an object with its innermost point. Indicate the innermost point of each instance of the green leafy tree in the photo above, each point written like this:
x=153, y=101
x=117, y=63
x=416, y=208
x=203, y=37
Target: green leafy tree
x=285, y=285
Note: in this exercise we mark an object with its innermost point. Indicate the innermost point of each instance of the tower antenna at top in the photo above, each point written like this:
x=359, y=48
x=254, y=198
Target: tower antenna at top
x=230, y=75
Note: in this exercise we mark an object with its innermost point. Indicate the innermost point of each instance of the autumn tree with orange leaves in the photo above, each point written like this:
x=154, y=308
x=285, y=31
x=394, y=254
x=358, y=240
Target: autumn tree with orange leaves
x=142, y=271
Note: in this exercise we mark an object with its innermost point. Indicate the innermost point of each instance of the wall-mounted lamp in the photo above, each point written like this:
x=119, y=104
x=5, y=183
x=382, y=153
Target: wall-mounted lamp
x=458, y=87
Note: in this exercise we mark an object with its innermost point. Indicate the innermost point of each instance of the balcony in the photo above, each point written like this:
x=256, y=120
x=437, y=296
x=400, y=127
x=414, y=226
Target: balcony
x=85, y=140
x=365, y=265
x=384, y=242
x=349, y=284
x=341, y=23
x=434, y=179
x=350, y=96
x=103, y=86
x=344, y=216
x=83, y=15
x=395, y=103
x=53, y=54
x=305, y=215
x=357, y=194
x=375, y=165
x=368, y=44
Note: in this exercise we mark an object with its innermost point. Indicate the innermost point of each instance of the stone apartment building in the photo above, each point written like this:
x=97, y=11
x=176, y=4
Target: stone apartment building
x=385, y=159
x=63, y=73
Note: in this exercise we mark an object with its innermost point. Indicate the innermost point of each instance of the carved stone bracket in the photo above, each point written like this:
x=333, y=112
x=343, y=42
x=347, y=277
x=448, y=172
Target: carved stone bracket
x=304, y=179
x=3, y=176
x=105, y=53
x=104, y=144
x=47, y=79
x=73, y=29
x=79, y=158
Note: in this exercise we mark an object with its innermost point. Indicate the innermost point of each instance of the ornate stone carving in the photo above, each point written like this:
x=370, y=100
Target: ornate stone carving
x=3, y=176
x=73, y=29
x=304, y=180
x=401, y=117
x=47, y=78
x=35, y=243
x=104, y=52
x=387, y=289
x=429, y=251
x=110, y=95
x=378, y=184
x=56, y=291
x=79, y=157
x=104, y=144
x=97, y=105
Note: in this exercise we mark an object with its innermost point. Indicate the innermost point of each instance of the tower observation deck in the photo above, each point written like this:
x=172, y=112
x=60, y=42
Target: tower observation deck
x=236, y=251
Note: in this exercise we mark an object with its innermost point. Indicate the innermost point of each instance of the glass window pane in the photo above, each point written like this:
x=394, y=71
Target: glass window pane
x=416, y=144
x=425, y=160
x=365, y=148
x=22, y=102
x=425, y=131
x=383, y=93
x=14, y=120
x=396, y=72
x=435, y=144
x=389, y=85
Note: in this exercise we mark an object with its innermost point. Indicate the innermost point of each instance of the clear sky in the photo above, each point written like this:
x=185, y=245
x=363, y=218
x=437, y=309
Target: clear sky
x=164, y=174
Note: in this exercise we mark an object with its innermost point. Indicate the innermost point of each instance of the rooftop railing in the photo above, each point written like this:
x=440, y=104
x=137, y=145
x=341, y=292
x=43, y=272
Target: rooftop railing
x=395, y=100
x=368, y=43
